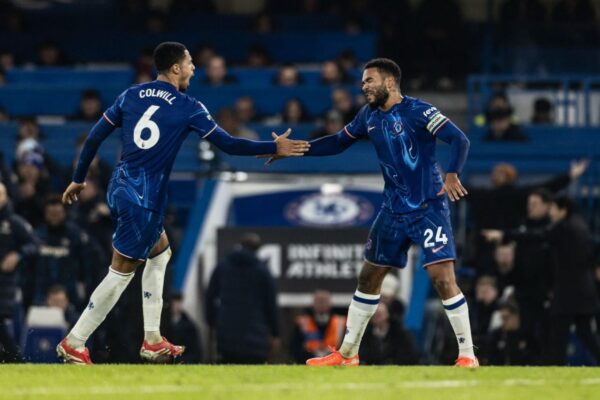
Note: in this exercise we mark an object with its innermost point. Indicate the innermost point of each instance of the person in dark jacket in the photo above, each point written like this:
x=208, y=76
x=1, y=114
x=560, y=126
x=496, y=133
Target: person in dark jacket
x=62, y=258
x=574, y=297
x=509, y=344
x=17, y=245
x=387, y=342
x=182, y=330
x=241, y=306
x=532, y=274
x=503, y=205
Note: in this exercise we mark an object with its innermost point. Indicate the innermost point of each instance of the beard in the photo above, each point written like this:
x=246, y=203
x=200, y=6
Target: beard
x=380, y=97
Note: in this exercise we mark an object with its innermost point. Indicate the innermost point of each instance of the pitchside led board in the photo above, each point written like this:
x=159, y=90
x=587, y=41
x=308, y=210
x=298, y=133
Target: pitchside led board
x=305, y=259
x=312, y=239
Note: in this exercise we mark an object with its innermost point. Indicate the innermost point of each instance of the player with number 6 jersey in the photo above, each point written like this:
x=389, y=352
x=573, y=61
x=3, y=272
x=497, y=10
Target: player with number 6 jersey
x=155, y=118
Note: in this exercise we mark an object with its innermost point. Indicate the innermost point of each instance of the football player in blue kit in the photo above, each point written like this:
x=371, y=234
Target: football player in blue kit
x=155, y=118
x=404, y=131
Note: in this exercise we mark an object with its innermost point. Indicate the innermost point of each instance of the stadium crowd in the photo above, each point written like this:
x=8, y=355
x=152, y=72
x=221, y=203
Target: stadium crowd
x=529, y=269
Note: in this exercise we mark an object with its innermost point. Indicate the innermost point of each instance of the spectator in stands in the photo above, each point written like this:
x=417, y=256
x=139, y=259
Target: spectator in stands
x=509, y=345
x=542, y=111
x=293, y=113
x=228, y=120
x=258, y=56
x=334, y=122
x=203, y=54
x=317, y=330
x=7, y=60
x=574, y=297
x=504, y=264
x=18, y=245
x=245, y=110
x=90, y=106
x=143, y=77
x=2, y=77
x=182, y=329
x=6, y=178
x=241, y=306
x=263, y=23
x=389, y=293
x=57, y=297
x=342, y=102
x=347, y=60
x=93, y=216
x=531, y=276
x=508, y=200
x=333, y=74
x=155, y=22
x=216, y=73
x=144, y=65
x=484, y=306
x=288, y=76
x=50, y=55
x=353, y=25
x=12, y=19
x=500, y=121
x=3, y=115
x=387, y=342
x=28, y=129
x=32, y=187
x=62, y=257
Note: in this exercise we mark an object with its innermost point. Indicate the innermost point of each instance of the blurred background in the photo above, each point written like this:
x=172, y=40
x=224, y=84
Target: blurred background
x=266, y=258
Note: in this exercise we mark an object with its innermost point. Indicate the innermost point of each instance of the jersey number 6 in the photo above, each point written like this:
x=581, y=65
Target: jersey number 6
x=146, y=123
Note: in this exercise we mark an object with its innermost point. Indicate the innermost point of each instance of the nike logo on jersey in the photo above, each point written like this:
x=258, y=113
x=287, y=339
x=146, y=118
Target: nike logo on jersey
x=370, y=128
x=436, y=249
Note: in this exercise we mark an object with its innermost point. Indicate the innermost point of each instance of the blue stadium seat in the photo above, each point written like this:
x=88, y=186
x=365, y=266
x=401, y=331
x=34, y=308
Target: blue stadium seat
x=45, y=328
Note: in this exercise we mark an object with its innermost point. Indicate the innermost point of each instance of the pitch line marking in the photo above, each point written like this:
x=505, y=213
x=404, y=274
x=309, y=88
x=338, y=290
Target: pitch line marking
x=263, y=387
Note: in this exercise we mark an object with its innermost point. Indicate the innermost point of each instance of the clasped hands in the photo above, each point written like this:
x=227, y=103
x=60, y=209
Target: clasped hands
x=286, y=147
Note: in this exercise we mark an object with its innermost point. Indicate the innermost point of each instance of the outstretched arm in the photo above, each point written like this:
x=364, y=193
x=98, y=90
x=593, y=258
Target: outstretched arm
x=330, y=145
x=459, y=148
x=245, y=147
x=99, y=132
x=325, y=146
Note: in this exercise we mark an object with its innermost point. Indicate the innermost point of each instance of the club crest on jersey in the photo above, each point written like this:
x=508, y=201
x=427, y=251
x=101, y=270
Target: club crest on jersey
x=398, y=128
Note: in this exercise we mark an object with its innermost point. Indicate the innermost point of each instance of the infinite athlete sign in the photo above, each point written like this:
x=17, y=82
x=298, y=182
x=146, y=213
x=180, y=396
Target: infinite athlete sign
x=305, y=259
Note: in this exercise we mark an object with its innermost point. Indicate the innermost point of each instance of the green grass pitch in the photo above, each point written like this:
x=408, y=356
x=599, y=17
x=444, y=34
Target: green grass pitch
x=132, y=382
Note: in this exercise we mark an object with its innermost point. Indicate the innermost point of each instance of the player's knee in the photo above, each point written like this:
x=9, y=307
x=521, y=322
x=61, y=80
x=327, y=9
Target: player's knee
x=370, y=278
x=443, y=283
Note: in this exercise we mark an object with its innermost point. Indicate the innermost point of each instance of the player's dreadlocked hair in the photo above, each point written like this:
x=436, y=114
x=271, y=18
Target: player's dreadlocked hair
x=167, y=54
x=386, y=66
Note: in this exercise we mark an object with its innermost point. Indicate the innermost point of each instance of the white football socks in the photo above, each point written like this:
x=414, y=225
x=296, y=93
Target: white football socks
x=102, y=300
x=152, y=294
x=361, y=310
x=457, y=311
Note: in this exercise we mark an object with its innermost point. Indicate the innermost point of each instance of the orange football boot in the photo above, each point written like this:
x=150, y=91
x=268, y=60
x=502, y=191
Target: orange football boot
x=466, y=362
x=335, y=358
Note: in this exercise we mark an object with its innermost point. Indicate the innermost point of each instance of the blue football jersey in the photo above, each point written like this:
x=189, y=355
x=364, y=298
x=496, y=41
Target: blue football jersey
x=404, y=139
x=155, y=119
